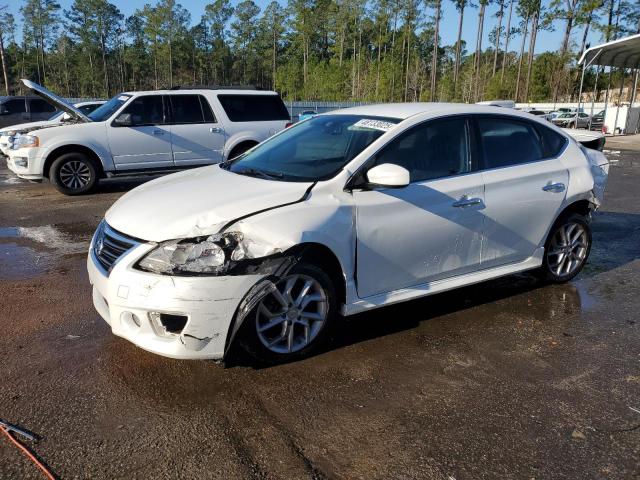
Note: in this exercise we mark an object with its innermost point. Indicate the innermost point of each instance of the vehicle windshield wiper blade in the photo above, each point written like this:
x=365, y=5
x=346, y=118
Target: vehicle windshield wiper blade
x=252, y=172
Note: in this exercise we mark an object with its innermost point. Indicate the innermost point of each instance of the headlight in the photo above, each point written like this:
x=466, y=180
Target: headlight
x=25, y=141
x=210, y=254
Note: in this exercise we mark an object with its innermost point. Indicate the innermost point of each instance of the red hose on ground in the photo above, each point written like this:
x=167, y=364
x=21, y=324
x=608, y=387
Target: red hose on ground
x=28, y=454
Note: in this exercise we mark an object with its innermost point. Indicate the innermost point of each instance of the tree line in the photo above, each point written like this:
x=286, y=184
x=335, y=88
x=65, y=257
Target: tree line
x=361, y=50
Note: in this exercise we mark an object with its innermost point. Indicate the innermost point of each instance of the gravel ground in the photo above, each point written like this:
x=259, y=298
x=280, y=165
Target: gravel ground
x=506, y=379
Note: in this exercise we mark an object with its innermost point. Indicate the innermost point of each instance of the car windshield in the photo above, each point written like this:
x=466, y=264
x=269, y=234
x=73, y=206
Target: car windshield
x=312, y=150
x=104, y=111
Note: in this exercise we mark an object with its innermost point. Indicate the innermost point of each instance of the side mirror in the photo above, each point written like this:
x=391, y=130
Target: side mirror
x=388, y=175
x=123, y=120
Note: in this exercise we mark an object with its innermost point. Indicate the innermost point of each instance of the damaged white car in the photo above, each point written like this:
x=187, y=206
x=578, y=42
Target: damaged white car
x=342, y=213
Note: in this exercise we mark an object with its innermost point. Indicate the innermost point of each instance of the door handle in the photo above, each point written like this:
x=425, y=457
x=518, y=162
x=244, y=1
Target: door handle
x=465, y=201
x=554, y=187
x=215, y=130
x=158, y=132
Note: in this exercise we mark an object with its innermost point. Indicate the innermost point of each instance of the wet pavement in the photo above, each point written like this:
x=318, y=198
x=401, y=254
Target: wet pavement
x=506, y=379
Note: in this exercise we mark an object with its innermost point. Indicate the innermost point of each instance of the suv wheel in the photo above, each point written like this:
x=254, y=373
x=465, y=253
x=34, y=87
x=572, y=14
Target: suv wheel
x=294, y=320
x=567, y=248
x=73, y=173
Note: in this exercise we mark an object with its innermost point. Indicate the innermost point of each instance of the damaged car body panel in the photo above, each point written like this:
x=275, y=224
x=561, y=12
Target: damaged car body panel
x=299, y=228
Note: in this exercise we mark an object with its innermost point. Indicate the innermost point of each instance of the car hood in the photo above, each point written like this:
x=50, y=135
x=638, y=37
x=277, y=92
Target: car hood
x=25, y=127
x=55, y=100
x=197, y=202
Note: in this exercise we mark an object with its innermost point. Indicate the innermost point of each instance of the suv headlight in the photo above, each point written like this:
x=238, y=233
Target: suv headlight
x=25, y=141
x=210, y=254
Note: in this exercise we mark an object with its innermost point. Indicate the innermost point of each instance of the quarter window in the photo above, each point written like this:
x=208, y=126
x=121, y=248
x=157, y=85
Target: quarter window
x=508, y=142
x=146, y=110
x=253, y=108
x=432, y=150
x=553, y=142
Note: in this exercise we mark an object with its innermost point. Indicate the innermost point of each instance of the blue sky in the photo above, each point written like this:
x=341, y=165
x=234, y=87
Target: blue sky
x=546, y=41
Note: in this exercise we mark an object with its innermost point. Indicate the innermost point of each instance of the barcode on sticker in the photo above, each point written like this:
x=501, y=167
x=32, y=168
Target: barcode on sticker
x=374, y=124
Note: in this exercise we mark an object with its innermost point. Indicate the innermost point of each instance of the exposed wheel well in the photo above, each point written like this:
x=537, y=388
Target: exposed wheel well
x=241, y=148
x=582, y=207
x=322, y=257
x=71, y=149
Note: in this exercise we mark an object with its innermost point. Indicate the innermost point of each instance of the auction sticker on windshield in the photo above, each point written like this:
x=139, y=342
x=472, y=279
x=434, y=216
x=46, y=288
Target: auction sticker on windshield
x=374, y=124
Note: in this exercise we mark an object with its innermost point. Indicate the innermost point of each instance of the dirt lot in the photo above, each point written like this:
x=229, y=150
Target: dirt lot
x=508, y=379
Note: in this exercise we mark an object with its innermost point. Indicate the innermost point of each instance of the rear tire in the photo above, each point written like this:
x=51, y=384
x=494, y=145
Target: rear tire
x=73, y=173
x=295, y=321
x=567, y=248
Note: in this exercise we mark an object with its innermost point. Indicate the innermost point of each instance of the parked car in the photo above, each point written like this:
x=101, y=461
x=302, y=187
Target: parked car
x=306, y=115
x=572, y=120
x=597, y=121
x=346, y=212
x=145, y=132
x=539, y=113
x=23, y=109
x=7, y=135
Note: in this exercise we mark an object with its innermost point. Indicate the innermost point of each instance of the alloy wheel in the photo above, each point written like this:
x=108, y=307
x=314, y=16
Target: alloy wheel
x=568, y=249
x=292, y=316
x=75, y=174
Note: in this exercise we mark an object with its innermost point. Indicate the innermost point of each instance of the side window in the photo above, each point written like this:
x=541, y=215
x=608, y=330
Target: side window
x=17, y=105
x=186, y=109
x=146, y=110
x=432, y=150
x=553, y=142
x=40, y=106
x=508, y=142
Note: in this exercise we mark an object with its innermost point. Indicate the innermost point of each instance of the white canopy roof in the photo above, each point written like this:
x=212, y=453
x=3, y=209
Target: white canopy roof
x=622, y=53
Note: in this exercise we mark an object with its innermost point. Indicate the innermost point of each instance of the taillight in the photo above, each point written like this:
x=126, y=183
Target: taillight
x=288, y=125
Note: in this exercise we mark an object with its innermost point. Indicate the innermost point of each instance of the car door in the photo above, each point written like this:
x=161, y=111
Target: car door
x=40, y=110
x=144, y=143
x=196, y=136
x=525, y=185
x=13, y=111
x=431, y=229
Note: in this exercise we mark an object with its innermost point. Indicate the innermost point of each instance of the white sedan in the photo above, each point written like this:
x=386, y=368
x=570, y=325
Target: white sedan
x=340, y=214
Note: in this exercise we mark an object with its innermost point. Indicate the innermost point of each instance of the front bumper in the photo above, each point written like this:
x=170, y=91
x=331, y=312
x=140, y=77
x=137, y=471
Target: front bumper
x=209, y=303
x=25, y=163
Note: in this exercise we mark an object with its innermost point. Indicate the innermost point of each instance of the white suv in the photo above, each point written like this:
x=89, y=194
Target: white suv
x=143, y=132
x=342, y=213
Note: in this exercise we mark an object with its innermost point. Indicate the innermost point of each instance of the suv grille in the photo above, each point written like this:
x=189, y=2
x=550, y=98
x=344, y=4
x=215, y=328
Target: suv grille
x=109, y=245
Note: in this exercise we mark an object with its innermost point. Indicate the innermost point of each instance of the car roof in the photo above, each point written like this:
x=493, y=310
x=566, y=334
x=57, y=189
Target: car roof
x=403, y=111
x=201, y=91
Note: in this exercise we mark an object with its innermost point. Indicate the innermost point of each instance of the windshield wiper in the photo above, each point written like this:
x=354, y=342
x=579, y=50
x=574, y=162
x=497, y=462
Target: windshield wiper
x=252, y=172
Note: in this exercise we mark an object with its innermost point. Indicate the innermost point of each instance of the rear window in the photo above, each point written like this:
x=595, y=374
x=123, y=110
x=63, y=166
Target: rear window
x=254, y=108
x=552, y=142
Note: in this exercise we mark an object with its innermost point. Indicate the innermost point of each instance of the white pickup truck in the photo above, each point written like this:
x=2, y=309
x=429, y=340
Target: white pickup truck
x=145, y=132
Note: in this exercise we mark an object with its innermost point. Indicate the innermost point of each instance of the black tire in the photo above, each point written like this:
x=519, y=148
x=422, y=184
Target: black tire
x=551, y=270
x=253, y=343
x=240, y=149
x=74, y=173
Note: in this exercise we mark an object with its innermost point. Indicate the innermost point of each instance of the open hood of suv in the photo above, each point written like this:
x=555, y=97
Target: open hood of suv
x=55, y=100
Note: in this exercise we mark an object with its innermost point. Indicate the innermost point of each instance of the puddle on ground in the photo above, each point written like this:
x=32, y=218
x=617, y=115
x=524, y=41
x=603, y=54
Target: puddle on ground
x=26, y=252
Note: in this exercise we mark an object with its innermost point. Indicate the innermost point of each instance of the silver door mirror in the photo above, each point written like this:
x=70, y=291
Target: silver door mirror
x=388, y=175
x=123, y=120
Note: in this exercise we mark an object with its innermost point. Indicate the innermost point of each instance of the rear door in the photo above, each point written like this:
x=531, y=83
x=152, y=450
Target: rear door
x=196, y=136
x=525, y=185
x=146, y=144
x=40, y=110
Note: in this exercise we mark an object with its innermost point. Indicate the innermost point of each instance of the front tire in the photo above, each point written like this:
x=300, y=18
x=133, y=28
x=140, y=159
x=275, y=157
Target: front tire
x=566, y=249
x=295, y=320
x=73, y=173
